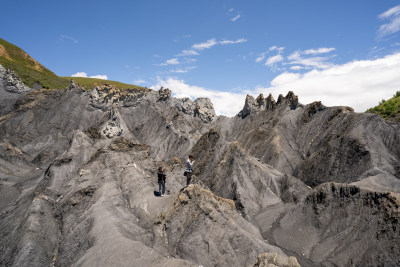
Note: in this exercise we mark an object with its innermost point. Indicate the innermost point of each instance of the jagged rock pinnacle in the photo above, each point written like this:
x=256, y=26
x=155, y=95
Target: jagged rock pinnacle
x=260, y=100
x=164, y=94
x=249, y=106
x=270, y=102
x=261, y=103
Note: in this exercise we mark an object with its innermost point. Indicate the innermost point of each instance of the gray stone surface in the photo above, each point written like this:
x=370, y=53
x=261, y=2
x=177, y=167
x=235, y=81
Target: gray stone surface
x=284, y=185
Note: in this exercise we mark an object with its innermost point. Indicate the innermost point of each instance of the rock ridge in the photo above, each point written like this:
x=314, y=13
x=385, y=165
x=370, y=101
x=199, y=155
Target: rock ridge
x=252, y=105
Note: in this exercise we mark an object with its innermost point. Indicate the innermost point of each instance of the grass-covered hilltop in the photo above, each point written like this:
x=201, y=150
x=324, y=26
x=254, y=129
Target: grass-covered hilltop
x=388, y=109
x=30, y=71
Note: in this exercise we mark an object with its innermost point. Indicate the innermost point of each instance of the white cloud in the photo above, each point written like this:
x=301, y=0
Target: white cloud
x=235, y=18
x=261, y=57
x=225, y=103
x=172, y=61
x=316, y=62
x=69, y=38
x=230, y=10
x=103, y=77
x=301, y=58
x=208, y=44
x=84, y=75
x=79, y=74
x=140, y=81
x=360, y=84
x=390, y=12
x=296, y=68
x=179, y=71
x=190, y=60
x=393, y=26
x=321, y=50
x=189, y=53
x=276, y=48
x=242, y=40
x=273, y=60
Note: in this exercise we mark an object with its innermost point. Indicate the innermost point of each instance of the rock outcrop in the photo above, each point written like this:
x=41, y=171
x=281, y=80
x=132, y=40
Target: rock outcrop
x=11, y=89
x=252, y=105
x=164, y=94
x=11, y=82
x=201, y=108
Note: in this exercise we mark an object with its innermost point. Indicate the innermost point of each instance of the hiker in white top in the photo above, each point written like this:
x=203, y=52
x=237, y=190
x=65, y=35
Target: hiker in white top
x=189, y=169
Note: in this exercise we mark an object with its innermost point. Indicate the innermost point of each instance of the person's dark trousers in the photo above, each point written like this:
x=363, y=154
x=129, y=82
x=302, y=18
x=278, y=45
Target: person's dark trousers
x=188, y=178
x=161, y=185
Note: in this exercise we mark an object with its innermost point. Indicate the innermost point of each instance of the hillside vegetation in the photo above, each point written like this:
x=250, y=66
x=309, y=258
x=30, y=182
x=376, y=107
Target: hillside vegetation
x=388, y=109
x=31, y=71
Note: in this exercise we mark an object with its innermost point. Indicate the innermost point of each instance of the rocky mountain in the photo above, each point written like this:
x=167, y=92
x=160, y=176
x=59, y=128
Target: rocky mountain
x=280, y=184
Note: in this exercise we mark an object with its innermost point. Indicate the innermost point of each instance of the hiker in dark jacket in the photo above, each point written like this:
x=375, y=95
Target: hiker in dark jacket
x=189, y=169
x=161, y=181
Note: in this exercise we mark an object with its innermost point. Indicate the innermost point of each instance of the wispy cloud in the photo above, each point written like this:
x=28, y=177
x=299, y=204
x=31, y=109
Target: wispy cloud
x=276, y=48
x=84, y=75
x=186, y=56
x=322, y=50
x=190, y=52
x=64, y=37
x=393, y=26
x=304, y=59
x=140, y=81
x=179, y=71
x=172, y=61
x=235, y=18
x=241, y=40
x=261, y=57
x=297, y=67
x=205, y=45
x=273, y=60
x=301, y=59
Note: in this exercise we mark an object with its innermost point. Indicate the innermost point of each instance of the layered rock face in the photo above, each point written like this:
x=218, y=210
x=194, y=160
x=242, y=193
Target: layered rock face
x=281, y=184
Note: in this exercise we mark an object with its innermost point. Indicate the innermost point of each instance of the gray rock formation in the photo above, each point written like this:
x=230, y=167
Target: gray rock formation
x=11, y=89
x=201, y=108
x=281, y=184
x=164, y=94
x=74, y=85
x=249, y=106
x=11, y=82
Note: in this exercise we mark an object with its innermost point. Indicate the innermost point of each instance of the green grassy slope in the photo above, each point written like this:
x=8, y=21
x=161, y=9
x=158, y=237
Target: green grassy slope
x=27, y=68
x=30, y=71
x=388, y=109
x=89, y=83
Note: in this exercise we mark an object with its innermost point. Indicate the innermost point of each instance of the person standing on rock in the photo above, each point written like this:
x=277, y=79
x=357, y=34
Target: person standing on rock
x=189, y=169
x=161, y=181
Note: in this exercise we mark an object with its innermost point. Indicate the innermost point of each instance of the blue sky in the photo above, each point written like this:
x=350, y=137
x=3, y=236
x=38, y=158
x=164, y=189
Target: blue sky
x=339, y=52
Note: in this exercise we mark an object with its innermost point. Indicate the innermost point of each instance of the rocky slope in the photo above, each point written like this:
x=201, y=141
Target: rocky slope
x=281, y=183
